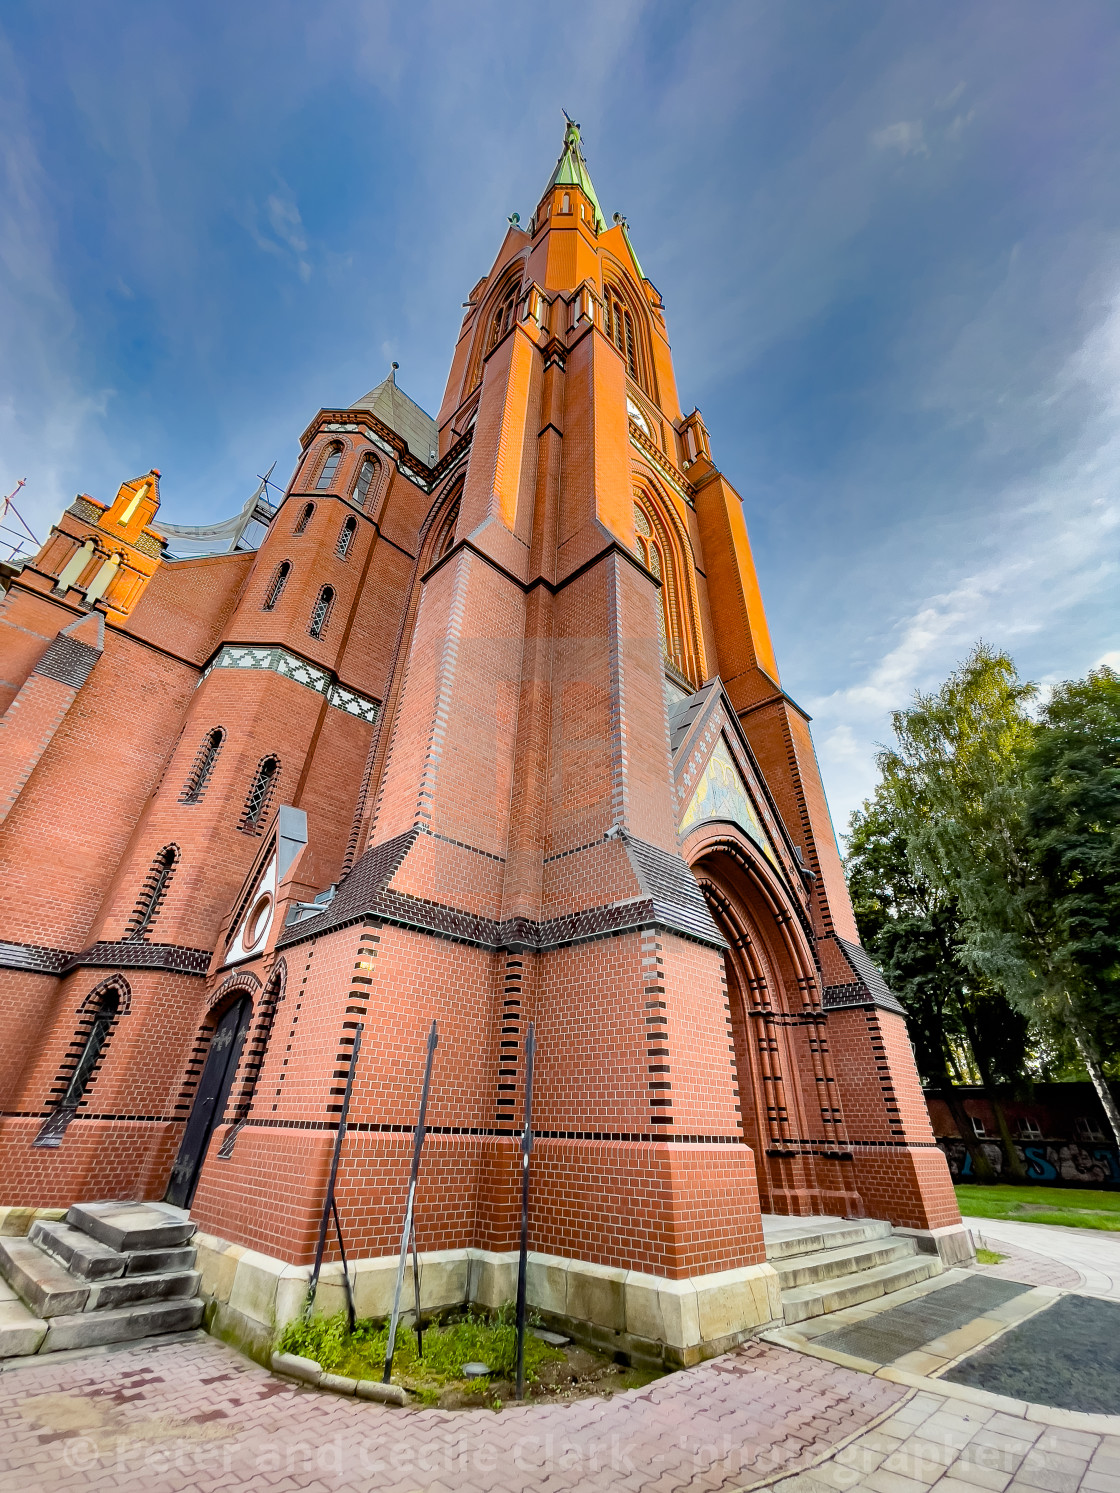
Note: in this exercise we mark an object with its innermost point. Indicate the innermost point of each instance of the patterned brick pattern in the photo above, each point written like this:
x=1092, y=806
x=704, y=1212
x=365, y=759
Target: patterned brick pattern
x=196, y=1416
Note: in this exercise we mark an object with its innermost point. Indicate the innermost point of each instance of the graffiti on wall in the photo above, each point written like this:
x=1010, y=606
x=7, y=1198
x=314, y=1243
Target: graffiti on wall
x=1043, y=1161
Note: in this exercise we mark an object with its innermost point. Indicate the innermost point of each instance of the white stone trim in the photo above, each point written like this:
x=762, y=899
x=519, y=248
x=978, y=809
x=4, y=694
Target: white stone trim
x=291, y=666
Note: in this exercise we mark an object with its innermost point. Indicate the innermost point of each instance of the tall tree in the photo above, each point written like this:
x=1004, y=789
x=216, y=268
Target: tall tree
x=966, y=760
x=911, y=926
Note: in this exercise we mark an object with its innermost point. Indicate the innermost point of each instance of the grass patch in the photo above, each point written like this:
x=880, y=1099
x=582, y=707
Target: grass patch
x=988, y=1256
x=1075, y=1207
x=473, y=1338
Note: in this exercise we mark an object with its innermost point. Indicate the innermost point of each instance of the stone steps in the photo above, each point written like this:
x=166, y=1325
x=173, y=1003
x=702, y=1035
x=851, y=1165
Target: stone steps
x=826, y=1264
x=804, y=1302
x=111, y=1273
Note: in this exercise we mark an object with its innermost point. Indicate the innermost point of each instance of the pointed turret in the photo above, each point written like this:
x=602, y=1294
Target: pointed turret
x=571, y=171
x=394, y=408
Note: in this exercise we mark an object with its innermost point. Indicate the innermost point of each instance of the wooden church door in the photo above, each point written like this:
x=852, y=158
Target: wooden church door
x=210, y=1101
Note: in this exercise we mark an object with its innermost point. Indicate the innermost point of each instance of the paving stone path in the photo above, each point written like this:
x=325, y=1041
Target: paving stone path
x=191, y=1414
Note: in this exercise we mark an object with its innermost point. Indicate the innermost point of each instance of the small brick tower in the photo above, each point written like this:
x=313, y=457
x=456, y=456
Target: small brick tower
x=486, y=726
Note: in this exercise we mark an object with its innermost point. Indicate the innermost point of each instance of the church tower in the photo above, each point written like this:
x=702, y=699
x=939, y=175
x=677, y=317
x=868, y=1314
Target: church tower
x=489, y=730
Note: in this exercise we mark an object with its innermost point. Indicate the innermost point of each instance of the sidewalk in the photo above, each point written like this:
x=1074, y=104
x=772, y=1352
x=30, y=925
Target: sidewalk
x=191, y=1414
x=1093, y=1255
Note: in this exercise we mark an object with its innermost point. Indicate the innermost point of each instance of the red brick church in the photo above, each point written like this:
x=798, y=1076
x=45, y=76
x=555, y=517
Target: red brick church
x=481, y=723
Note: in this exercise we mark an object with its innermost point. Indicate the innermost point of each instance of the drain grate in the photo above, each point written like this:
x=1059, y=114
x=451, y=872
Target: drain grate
x=906, y=1328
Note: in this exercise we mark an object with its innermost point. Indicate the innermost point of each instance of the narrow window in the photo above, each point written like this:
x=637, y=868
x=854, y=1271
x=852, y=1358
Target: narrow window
x=566, y=204
x=322, y=611
x=202, y=767
x=279, y=581
x=90, y=1056
x=365, y=477
x=304, y=518
x=330, y=466
x=345, y=538
x=631, y=357
x=257, y=802
x=155, y=889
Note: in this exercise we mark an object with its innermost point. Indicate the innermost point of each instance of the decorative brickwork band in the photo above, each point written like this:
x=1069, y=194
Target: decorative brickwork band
x=291, y=666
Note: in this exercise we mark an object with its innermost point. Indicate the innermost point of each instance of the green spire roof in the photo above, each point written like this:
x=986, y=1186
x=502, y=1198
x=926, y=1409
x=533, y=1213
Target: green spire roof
x=571, y=171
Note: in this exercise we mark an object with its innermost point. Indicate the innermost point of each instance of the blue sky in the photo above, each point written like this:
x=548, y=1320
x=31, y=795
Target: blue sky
x=887, y=234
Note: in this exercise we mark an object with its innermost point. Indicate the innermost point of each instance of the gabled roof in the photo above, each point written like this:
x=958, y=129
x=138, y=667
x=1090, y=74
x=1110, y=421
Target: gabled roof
x=394, y=408
x=571, y=171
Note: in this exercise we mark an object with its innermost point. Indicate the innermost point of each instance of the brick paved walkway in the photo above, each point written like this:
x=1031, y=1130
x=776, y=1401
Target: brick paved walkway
x=194, y=1415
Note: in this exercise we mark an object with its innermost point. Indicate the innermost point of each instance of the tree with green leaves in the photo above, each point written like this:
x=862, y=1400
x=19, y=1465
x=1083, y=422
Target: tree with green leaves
x=1015, y=822
x=911, y=926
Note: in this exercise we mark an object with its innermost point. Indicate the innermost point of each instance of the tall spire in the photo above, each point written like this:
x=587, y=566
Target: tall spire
x=571, y=171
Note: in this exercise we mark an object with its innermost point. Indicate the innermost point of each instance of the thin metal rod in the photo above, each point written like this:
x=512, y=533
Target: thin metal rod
x=523, y=1259
x=345, y=1267
x=328, y=1202
x=416, y=1292
x=418, y=1141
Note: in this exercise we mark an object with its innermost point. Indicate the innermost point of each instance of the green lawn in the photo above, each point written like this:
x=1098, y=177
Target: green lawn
x=1076, y=1207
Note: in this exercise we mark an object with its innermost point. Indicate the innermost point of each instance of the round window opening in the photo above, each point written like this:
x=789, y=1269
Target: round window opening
x=256, y=925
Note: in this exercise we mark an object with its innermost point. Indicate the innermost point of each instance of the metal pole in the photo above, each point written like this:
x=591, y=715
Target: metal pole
x=328, y=1203
x=522, y=1263
x=416, y=1292
x=418, y=1141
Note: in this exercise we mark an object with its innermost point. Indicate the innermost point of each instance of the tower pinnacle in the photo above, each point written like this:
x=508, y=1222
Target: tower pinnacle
x=571, y=170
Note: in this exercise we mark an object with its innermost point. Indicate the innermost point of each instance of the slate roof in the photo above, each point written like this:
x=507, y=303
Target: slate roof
x=394, y=408
x=671, y=899
x=868, y=988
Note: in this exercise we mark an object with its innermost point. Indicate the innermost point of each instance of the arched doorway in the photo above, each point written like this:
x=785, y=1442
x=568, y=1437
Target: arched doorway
x=792, y=1115
x=222, y=1058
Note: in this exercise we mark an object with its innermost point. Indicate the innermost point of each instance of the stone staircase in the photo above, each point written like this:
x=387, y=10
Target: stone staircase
x=108, y=1273
x=825, y=1264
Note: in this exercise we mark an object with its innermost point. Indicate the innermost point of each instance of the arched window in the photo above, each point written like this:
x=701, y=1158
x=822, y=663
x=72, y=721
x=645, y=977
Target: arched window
x=202, y=767
x=104, y=1012
x=330, y=467
x=346, y=538
x=256, y=804
x=620, y=329
x=153, y=893
x=503, y=317
x=304, y=518
x=276, y=587
x=668, y=559
x=321, y=612
x=369, y=470
x=566, y=203
x=446, y=536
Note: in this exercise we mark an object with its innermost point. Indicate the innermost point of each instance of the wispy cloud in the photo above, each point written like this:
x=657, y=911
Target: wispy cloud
x=1048, y=547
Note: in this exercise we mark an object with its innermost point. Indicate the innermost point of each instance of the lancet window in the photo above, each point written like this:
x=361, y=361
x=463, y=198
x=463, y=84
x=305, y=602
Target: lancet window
x=365, y=478
x=202, y=767
x=304, y=518
x=321, y=612
x=153, y=893
x=93, y=1035
x=664, y=554
x=329, y=468
x=256, y=804
x=277, y=584
x=620, y=329
x=346, y=538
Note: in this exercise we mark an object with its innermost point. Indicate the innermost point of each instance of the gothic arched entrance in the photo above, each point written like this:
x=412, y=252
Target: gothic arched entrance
x=222, y=1058
x=792, y=1113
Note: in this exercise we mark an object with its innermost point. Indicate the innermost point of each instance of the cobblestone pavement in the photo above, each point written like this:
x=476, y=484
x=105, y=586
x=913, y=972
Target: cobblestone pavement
x=1093, y=1253
x=192, y=1414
